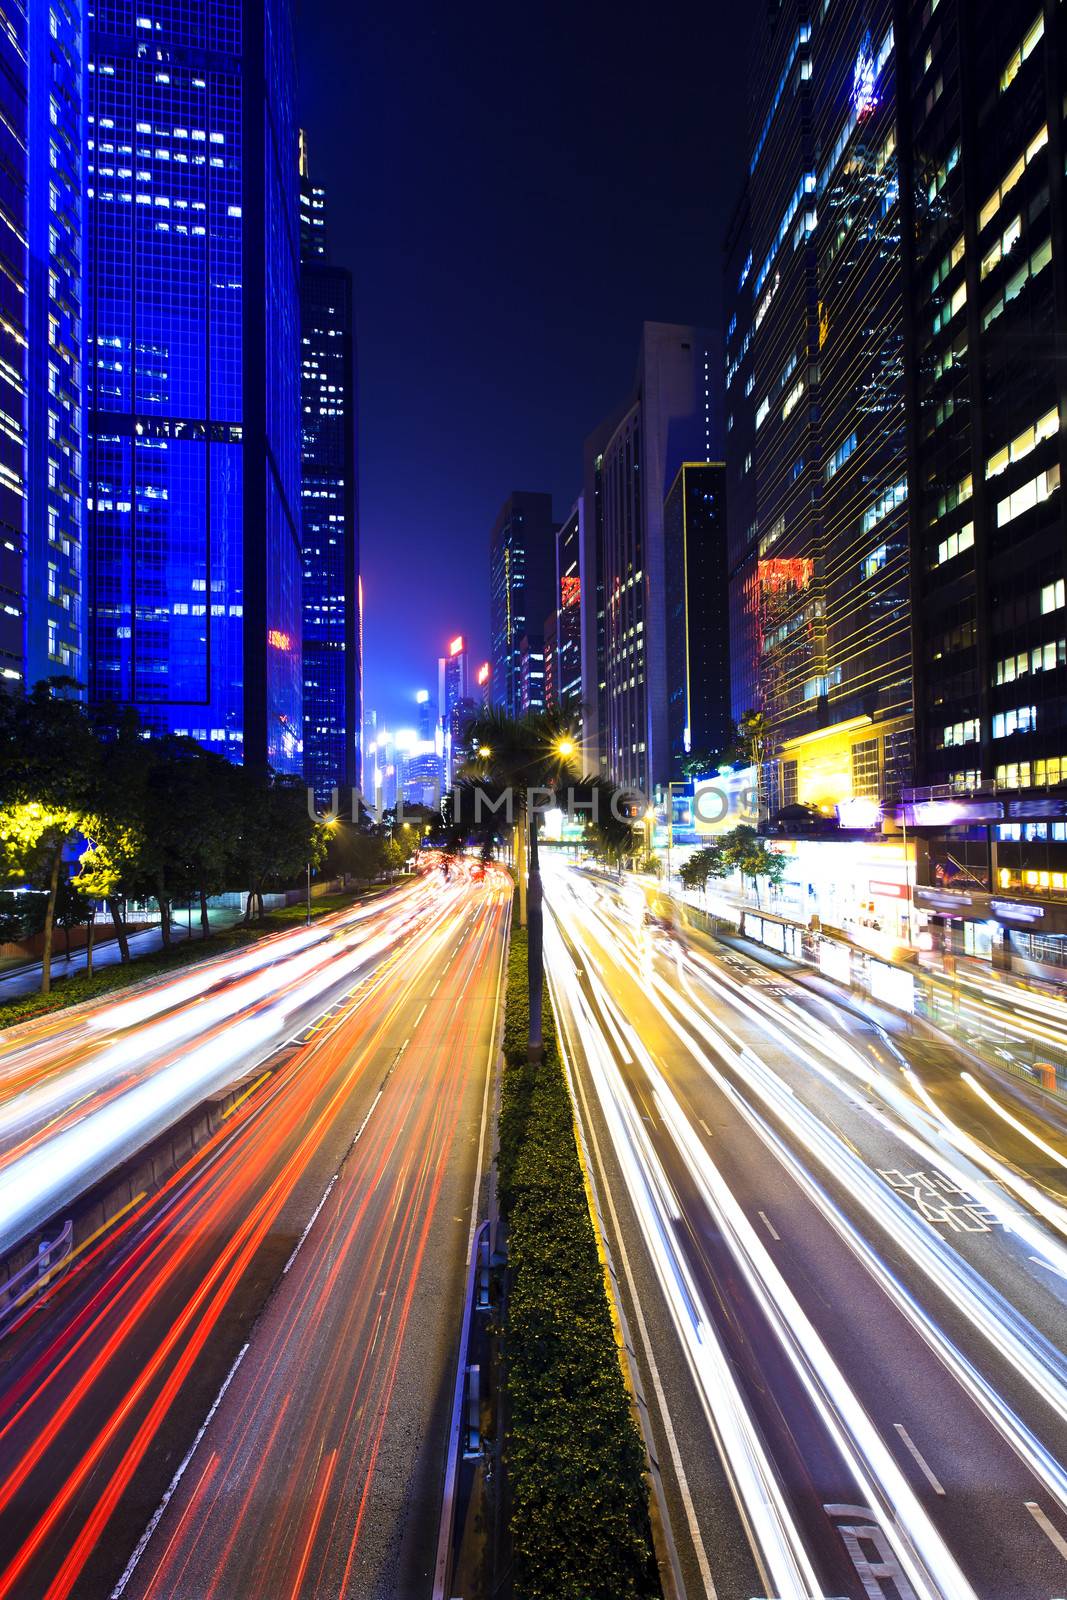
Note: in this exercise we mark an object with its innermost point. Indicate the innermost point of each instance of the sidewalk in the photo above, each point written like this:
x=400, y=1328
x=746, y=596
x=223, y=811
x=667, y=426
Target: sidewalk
x=26, y=979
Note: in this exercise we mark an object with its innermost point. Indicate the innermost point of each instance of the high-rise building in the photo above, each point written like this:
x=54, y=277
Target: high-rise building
x=983, y=200
x=697, y=618
x=815, y=411
x=54, y=401
x=192, y=334
x=522, y=562
x=531, y=674
x=41, y=256
x=672, y=415
x=331, y=593
x=452, y=694
x=550, y=635
x=14, y=274
x=569, y=613
x=484, y=682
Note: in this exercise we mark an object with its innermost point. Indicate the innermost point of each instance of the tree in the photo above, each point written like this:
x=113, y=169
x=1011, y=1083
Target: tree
x=711, y=861
x=275, y=839
x=112, y=868
x=71, y=909
x=49, y=776
x=747, y=853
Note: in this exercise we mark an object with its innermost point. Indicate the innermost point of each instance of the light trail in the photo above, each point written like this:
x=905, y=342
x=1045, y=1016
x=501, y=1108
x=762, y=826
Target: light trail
x=120, y=1340
x=919, y=1547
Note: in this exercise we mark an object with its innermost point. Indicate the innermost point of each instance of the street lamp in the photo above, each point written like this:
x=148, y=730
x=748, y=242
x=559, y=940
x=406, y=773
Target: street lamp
x=566, y=748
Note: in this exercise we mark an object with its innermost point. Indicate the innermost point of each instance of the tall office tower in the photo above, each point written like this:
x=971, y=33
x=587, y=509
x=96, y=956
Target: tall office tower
x=672, y=412
x=328, y=502
x=550, y=636
x=697, y=617
x=569, y=613
x=424, y=714
x=451, y=689
x=55, y=235
x=742, y=525
x=14, y=273
x=522, y=571
x=982, y=167
x=531, y=674
x=815, y=407
x=194, y=380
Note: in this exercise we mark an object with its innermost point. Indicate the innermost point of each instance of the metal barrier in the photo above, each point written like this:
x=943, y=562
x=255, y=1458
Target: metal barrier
x=23, y=1284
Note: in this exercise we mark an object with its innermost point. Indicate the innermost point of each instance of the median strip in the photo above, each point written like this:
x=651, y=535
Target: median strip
x=575, y=1463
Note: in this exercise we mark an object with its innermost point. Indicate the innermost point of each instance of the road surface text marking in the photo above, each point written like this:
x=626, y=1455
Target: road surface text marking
x=940, y=1201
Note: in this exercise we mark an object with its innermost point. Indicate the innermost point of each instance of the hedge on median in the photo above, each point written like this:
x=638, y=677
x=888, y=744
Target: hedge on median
x=575, y=1461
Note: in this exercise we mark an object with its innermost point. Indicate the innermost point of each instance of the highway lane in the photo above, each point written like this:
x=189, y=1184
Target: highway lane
x=803, y=1307
x=82, y=1090
x=105, y=1383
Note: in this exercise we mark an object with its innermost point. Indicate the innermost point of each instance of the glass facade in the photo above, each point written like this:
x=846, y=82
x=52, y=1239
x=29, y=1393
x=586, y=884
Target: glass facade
x=14, y=96
x=55, y=235
x=669, y=419
x=332, y=675
x=521, y=581
x=195, y=573
x=567, y=686
x=816, y=457
x=698, y=653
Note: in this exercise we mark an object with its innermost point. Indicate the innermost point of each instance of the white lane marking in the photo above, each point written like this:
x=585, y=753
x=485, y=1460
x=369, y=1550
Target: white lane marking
x=142, y=1543
x=924, y=1466
x=705, y=1127
x=771, y=1229
x=1042, y=1263
x=1054, y=1535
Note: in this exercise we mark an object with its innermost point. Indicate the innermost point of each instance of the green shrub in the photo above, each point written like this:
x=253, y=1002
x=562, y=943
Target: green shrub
x=579, y=1499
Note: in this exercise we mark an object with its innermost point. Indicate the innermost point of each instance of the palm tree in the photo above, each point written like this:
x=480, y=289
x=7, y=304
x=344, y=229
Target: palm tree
x=536, y=754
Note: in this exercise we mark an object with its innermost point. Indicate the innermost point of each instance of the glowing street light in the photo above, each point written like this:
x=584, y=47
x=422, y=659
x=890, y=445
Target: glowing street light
x=566, y=748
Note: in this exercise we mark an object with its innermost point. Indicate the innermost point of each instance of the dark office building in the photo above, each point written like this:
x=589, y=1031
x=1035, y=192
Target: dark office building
x=569, y=612
x=982, y=167
x=14, y=98
x=331, y=621
x=697, y=616
x=673, y=414
x=193, y=372
x=522, y=572
x=550, y=636
x=742, y=525
x=815, y=411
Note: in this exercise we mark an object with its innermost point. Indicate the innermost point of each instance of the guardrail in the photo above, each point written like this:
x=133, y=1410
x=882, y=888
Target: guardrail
x=23, y=1284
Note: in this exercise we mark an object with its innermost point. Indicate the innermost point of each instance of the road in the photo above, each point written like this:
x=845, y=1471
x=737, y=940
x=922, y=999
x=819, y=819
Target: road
x=847, y=1310
x=308, y=1264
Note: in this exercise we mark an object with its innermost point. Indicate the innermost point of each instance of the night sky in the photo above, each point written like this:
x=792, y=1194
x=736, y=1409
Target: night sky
x=515, y=194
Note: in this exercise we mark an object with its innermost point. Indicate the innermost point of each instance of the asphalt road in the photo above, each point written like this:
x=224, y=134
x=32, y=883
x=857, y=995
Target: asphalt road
x=853, y=1376
x=322, y=1232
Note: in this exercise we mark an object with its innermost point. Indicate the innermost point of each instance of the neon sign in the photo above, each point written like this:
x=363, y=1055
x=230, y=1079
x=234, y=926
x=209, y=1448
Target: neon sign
x=456, y=646
x=280, y=640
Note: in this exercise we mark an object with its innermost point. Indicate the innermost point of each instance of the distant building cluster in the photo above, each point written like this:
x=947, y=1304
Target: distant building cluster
x=178, y=526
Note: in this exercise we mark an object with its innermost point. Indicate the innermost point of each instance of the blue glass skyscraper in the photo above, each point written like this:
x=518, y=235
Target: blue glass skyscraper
x=193, y=376
x=333, y=716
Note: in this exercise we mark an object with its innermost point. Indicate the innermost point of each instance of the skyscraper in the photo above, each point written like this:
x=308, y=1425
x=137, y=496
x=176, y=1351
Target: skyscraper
x=193, y=372
x=522, y=561
x=14, y=272
x=332, y=633
x=983, y=201
x=54, y=400
x=815, y=411
x=569, y=611
x=451, y=695
x=670, y=417
x=697, y=620
x=41, y=254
